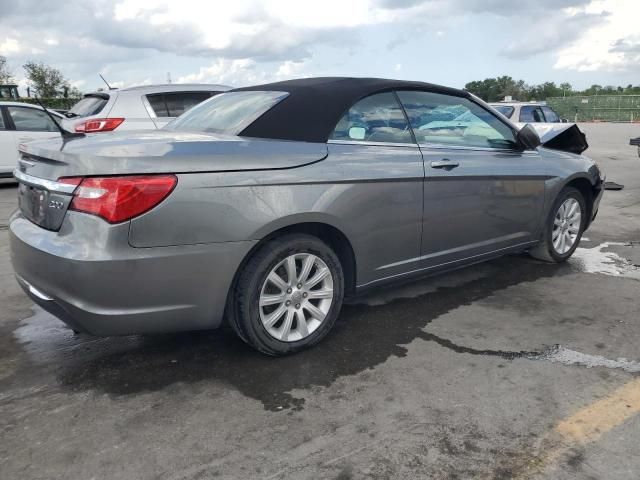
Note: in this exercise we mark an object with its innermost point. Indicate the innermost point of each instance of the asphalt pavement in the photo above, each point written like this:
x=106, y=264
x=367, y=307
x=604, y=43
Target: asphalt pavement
x=508, y=369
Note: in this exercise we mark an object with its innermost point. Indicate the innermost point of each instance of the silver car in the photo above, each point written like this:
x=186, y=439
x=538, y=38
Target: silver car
x=146, y=107
x=528, y=112
x=266, y=205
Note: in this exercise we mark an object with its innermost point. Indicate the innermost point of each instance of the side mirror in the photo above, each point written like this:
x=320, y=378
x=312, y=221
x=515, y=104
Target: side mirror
x=564, y=120
x=357, y=133
x=528, y=138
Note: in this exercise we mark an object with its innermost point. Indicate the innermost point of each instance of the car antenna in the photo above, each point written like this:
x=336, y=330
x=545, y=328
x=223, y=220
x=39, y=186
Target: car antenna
x=65, y=134
x=106, y=83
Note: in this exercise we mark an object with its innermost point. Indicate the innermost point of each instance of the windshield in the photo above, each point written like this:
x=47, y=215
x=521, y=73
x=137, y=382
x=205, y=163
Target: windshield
x=505, y=110
x=89, y=105
x=228, y=113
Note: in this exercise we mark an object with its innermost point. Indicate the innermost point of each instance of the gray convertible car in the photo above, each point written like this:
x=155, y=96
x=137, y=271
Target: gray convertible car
x=265, y=206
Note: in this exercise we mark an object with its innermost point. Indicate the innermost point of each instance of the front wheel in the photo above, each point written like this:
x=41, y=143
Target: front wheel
x=288, y=295
x=564, y=227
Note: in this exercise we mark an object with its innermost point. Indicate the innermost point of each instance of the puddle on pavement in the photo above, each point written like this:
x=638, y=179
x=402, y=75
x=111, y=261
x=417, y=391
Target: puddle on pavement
x=597, y=260
x=554, y=354
x=364, y=337
x=371, y=329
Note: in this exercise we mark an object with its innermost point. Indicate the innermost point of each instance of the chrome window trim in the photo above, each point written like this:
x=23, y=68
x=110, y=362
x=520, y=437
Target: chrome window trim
x=371, y=144
x=443, y=146
x=49, y=185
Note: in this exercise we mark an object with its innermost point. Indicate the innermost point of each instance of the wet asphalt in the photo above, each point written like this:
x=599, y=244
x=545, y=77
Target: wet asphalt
x=467, y=375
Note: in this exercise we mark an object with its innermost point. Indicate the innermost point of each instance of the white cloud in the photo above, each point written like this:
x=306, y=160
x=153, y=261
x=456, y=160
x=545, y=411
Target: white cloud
x=602, y=47
x=252, y=41
x=289, y=69
x=122, y=84
x=9, y=46
x=224, y=71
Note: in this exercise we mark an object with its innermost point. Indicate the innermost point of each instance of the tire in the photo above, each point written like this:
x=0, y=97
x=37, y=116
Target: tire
x=546, y=250
x=300, y=325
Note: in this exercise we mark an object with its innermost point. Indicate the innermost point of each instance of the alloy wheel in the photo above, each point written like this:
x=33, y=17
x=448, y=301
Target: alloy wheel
x=296, y=297
x=566, y=225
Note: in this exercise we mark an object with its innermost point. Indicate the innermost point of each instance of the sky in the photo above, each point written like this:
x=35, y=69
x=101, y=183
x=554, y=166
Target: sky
x=245, y=42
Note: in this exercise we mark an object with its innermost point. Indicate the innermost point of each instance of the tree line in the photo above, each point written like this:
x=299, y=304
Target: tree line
x=49, y=82
x=44, y=80
x=495, y=89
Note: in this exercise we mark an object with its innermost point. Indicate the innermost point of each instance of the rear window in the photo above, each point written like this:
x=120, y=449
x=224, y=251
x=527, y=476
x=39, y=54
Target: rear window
x=175, y=104
x=228, y=113
x=505, y=110
x=89, y=105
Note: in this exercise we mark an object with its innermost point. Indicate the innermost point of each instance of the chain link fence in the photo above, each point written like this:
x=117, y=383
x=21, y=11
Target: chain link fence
x=604, y=108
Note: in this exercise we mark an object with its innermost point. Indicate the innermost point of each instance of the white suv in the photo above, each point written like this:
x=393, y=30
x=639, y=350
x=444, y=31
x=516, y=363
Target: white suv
x=136, y=108
x=528, y=112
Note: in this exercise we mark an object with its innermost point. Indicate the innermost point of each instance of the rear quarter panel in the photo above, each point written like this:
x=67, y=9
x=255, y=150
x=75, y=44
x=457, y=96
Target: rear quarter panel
x=372, y=195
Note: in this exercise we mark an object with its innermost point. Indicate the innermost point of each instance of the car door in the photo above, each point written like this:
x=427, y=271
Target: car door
x=8, y=150
x=30, y=124
x=380, y=189
x=481, y=195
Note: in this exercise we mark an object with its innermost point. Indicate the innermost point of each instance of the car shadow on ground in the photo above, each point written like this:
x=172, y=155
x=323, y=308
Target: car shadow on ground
x=363, y=337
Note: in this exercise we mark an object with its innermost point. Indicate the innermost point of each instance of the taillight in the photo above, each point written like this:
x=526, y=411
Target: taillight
x=117, y=199
x=99, y=125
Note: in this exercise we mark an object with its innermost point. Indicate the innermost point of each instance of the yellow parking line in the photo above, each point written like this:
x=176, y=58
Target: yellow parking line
x=585, y=426
x=592, y=421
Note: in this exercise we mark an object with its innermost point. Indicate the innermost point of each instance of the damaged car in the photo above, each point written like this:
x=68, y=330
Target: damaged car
x=265, y=206
x=554, y=132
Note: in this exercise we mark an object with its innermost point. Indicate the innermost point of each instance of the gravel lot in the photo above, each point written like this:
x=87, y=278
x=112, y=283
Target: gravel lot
x=510, y=369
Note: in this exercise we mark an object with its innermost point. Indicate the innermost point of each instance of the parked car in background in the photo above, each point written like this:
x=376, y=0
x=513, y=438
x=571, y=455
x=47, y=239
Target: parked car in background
x=553, y=130
x=21, y=123
x=528, y=112
x=146, y=107
x=273, y=202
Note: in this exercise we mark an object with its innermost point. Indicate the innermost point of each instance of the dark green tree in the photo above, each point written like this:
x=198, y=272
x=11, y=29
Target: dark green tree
x=47, y=81
x=5, y=73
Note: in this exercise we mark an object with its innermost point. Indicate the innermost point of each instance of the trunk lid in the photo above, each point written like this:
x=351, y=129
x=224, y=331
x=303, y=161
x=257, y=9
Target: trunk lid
x=159, y=151
x=44, y=200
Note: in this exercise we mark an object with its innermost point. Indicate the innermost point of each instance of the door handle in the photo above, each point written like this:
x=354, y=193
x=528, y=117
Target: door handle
x=444, y=163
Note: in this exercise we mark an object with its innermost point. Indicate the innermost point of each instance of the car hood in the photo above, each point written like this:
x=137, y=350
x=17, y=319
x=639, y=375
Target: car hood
x=162, y=151
x=560, y=136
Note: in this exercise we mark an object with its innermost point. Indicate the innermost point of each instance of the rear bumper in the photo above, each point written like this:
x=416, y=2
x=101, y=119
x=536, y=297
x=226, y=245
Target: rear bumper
x=88, y=276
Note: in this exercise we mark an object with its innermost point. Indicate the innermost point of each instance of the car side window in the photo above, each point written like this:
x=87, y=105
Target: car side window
x=156, y=100
x=2, y=127
x=31, y=120
x=174, y=104
x=449, y=120
x=531, y=114
x=377, y=118
x=180, y=102
x=550, y=115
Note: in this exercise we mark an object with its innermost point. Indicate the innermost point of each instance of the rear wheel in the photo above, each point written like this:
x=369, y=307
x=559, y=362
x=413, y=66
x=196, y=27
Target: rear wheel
x=288, y=295
x=564, y=227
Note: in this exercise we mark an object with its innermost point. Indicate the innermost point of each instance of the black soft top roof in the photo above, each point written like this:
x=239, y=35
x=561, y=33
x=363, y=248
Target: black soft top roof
x=315, y=105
